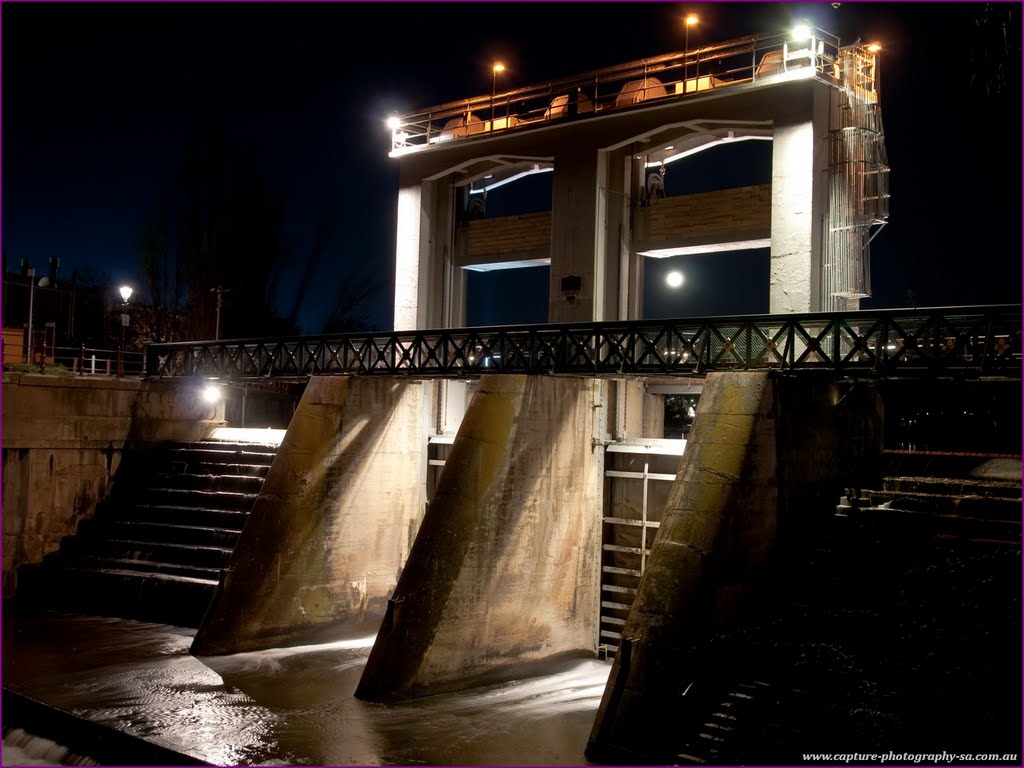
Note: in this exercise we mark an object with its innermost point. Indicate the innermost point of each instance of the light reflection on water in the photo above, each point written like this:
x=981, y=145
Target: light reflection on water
x=291, y=705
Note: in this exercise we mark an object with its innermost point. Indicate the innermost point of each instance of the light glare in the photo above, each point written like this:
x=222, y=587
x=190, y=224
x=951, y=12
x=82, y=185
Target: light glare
x=874, y=48
x=674, y=279
x=801, y=32
x=126, y=292
x=499, y=67
x=691, y=20
x=394, y=122
x=211, y=394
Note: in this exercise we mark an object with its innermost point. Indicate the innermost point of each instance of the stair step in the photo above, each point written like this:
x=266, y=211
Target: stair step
x=217, y=500
x=211, y=468
x=128, y=549
x=147, y=567
x=179, y=600
x=987, y=507
x=895, y=520
x=171, y=514
x=219, y=456
x=951, y=465
x=210, y=482
x=202, y=535
x=953, y=486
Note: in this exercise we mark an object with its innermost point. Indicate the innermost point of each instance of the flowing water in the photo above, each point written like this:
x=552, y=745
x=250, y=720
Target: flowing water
x=290, y=706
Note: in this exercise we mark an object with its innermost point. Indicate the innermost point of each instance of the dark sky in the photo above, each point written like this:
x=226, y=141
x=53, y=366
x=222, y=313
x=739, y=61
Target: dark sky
x=99, y=100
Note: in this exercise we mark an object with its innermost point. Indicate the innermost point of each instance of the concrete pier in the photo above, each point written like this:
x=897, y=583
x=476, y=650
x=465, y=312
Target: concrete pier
x=505, y=568
x=328, y=536
x=763, y=458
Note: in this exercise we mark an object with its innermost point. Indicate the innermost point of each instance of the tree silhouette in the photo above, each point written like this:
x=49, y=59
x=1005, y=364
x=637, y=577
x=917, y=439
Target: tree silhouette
x=218, y=225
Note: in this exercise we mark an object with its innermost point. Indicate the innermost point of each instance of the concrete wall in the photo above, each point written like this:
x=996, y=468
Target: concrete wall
x=764, y=460
x=577, y=236
x=505, y=568
x=63, y=439
x=329, y=534
x=509, y=238
x=725, y=216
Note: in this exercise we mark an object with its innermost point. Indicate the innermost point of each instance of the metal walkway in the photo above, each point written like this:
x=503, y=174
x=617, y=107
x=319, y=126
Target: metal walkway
x=978, y=340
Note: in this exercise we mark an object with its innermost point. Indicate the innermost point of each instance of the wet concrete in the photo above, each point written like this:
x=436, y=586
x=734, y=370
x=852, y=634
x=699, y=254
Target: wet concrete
x=291, y=706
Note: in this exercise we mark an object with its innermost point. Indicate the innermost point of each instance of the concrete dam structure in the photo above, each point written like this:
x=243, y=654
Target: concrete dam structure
x=486, y=500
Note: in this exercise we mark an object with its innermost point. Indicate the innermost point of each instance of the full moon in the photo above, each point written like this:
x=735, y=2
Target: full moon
x=674, y=279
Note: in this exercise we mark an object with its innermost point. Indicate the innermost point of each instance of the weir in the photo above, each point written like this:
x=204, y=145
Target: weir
x=489, y=499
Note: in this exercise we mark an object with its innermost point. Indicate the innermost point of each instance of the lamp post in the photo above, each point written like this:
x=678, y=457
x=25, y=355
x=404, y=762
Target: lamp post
x=126, y=293
x=220, y=291
x=31, y=297
x=498, y=67
x=690, y=20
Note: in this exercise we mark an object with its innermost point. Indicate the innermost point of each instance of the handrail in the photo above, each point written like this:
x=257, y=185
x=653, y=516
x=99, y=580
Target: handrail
x=83, y=361
x=742, y=60
x=981, y=340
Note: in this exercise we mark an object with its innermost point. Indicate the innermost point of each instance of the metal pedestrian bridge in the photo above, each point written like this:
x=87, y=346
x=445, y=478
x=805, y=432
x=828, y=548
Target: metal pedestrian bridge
x=973, y=340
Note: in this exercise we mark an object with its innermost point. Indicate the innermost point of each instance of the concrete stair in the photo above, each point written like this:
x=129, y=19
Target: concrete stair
x=973, y=498
x=155, y=549
x=901, y=603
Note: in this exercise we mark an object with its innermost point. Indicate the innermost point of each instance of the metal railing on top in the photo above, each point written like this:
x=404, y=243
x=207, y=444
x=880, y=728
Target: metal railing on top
x=874, y=343
x=80, y=361
x=745, y=60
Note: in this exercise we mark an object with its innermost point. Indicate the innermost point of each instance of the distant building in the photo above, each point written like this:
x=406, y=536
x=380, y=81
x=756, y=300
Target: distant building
x=64, y=315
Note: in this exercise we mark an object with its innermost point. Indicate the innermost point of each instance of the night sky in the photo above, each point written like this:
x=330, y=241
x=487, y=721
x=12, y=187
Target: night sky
x=99, y=101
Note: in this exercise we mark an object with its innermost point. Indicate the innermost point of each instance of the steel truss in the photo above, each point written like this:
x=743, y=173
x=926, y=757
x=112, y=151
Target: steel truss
x=981, y=340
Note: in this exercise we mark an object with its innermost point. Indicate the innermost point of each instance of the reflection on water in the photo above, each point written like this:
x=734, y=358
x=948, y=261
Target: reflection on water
x=292, y=705
x=23, y=748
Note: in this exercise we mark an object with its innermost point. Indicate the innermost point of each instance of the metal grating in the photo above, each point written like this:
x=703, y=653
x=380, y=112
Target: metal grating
x=637, y=487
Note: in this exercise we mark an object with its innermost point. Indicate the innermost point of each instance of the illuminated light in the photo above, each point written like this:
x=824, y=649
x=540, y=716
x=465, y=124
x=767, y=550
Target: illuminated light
x=509, y=180
x=694, y=150
x=211, y=394
x=253, y=435
x=801, y=32
x=126, y=293
x=499, y=67
x=394, y=122
x=499, y=265
x=674, y=279
x=691, y=250
x=691, y=19
x=874, y=48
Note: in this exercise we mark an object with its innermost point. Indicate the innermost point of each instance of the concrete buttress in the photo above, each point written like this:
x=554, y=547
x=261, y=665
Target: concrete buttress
x=764, y=466
x=719, y=526
x=330, y=531
x=505, y=568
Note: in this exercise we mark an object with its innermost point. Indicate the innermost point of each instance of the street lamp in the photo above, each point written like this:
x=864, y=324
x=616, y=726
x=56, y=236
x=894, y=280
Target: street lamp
x=220, y=291
x=498, y=67
x=126, y=293
x=31, y=297
x=690, y=21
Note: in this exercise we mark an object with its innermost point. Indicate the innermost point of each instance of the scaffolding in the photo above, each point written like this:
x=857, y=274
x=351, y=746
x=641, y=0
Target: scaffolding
x=858, y=181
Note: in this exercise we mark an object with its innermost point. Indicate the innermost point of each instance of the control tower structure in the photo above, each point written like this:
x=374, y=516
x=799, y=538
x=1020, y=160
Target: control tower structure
x=604, y=136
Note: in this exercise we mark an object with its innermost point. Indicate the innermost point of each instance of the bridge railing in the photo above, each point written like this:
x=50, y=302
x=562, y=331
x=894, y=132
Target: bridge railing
x=980, y=340
x=698, y=70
